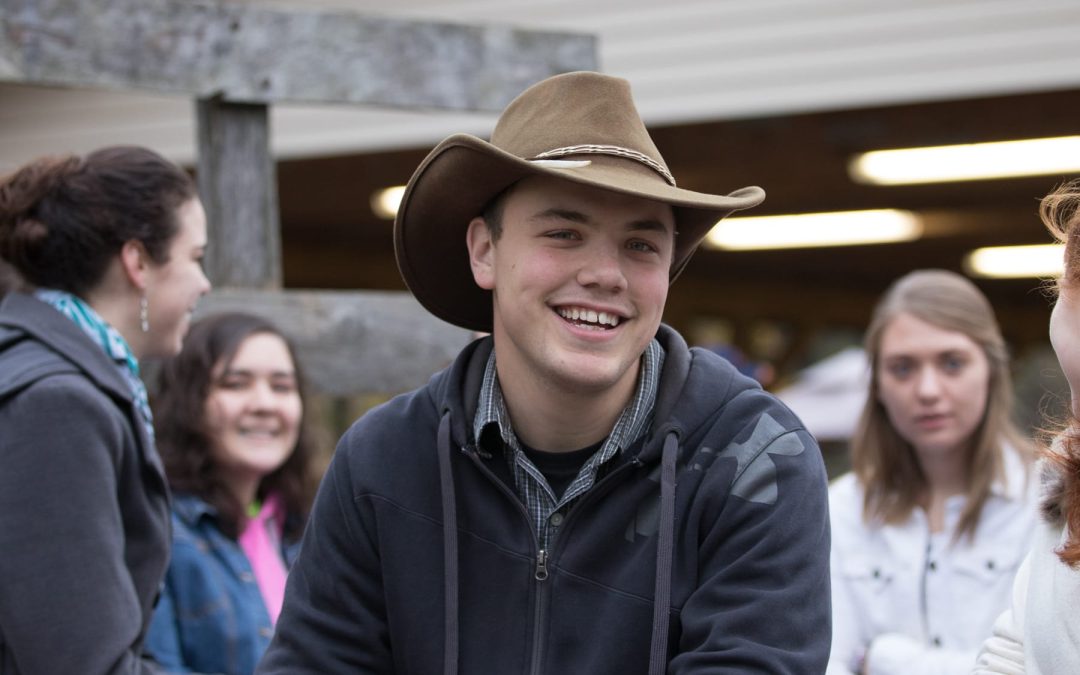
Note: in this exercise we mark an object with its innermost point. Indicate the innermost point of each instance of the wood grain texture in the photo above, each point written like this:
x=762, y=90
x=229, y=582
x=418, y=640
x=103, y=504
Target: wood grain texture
x=353, y=342
x=252, y=54
x=238, y=187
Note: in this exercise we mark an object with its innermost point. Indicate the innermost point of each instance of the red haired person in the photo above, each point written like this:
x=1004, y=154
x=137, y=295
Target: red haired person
x=1038, y=634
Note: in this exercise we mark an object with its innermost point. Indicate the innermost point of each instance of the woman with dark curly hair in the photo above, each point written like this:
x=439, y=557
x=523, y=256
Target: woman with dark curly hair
x=1038, y=635
x=230, y=421
x=107, y=249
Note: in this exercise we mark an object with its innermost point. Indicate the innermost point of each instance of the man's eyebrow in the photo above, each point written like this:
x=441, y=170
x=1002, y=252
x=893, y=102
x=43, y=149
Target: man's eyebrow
x=562, y=214
x=645, y=224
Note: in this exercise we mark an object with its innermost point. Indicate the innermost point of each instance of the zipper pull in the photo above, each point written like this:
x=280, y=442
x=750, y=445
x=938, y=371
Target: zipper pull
x=541, y=565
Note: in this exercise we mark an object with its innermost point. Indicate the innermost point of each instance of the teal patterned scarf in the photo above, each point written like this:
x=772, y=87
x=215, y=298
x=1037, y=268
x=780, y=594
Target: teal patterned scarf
x=106, y=337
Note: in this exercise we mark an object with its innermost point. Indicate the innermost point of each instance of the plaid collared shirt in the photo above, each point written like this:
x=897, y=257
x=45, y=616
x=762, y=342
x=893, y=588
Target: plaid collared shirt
x=532, y=487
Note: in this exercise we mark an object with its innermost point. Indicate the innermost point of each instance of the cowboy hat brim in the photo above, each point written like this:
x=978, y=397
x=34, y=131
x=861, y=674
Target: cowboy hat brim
x=464, y=173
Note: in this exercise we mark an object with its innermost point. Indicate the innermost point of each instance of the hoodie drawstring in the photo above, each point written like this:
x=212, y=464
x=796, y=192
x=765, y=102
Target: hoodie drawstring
x=665, y=552
x=450, y=548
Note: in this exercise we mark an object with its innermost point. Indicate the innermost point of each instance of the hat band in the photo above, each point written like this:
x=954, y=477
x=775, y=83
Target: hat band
x=613, y=150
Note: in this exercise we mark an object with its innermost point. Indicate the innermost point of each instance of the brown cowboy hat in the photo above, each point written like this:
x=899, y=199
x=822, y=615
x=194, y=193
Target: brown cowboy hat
x=582, y=127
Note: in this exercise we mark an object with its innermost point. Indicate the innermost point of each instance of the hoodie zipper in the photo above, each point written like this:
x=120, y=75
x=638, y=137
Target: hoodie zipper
x=542, y=557
x=541, y=565
x=540, y=570
x=541, y=576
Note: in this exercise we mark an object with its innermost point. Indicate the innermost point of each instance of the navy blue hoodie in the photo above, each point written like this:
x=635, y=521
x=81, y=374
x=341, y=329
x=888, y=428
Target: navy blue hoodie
x=419, y=558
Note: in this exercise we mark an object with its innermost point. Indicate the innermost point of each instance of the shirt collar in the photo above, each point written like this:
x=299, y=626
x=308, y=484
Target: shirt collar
x=633, y=421
x=191, y=509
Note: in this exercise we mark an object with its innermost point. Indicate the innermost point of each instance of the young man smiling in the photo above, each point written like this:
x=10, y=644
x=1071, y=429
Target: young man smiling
x=579, y=492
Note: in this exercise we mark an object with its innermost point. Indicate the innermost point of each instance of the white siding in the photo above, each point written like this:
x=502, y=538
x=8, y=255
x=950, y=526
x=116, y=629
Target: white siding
x=688, y=60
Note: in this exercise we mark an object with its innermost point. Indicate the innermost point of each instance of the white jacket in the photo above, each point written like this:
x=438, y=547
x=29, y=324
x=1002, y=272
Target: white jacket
x=1040, y=633
x=908, y=601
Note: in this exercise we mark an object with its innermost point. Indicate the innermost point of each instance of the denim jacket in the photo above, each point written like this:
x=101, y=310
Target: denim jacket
x=211, y=617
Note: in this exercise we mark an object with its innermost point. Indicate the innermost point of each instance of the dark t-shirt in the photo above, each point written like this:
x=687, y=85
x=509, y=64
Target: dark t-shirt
x=560, y=468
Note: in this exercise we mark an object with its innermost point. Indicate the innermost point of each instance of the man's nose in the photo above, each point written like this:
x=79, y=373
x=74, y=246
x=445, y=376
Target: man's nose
x=603, y=267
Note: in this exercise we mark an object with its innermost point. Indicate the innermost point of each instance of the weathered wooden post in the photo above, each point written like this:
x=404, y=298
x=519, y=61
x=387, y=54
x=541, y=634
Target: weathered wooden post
x=238, y=59
x=235, y=160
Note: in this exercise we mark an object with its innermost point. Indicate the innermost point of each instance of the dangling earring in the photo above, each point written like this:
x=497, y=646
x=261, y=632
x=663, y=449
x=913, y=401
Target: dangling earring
x=144, y=314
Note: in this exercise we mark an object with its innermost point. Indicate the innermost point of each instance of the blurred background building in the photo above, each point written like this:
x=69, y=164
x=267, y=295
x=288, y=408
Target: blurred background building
x=786, y=94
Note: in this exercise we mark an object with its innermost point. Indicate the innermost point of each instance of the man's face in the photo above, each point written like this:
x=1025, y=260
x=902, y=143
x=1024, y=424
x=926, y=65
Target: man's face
x=579, y=277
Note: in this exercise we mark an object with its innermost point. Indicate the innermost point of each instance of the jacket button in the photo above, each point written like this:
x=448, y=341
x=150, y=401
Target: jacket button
x=937, y=641
x=990, y=564
x=933, y=565
x=556, y=519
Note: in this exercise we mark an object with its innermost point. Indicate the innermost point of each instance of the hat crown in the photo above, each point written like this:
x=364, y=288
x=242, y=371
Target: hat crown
x=573, y=109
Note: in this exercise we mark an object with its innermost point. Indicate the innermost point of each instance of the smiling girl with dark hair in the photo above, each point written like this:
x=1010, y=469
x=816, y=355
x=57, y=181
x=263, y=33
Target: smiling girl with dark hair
x=229, y=415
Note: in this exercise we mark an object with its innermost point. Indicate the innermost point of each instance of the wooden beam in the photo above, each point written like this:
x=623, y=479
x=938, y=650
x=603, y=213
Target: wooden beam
x=237, y=59
x=353, y=342
x=238, y=187
x=244, y=53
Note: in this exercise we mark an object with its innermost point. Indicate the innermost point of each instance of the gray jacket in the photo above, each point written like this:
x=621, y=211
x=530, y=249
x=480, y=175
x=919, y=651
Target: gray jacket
x=84, y=510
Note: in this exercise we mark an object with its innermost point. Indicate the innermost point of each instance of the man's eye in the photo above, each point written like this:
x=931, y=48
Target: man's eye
x=643, y=246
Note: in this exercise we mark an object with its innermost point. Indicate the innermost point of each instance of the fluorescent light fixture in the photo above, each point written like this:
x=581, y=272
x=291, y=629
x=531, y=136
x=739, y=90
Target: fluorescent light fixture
x=385, y=202
x=805, y=230
x=1016, y=262
x=973, y=161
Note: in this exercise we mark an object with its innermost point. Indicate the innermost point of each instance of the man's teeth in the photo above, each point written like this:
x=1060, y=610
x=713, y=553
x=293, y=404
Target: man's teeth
x=589, y=316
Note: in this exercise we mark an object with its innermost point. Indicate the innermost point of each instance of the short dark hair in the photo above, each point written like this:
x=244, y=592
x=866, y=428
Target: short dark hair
x=183, y=436
x=63, y=219
x=493, y=211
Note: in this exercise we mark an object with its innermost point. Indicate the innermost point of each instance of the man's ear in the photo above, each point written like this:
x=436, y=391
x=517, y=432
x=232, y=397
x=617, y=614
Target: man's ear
x=135, y=263
x=481, y=253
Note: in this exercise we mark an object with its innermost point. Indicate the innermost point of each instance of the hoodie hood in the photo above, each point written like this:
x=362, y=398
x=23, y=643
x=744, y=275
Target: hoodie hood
x=23, y=317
